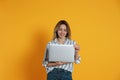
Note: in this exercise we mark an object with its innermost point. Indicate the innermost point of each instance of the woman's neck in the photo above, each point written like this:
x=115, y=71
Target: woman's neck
x=61, y=40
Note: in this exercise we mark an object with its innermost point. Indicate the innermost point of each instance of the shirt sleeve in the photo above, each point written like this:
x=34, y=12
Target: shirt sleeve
x=79, y=58
x=45, y=59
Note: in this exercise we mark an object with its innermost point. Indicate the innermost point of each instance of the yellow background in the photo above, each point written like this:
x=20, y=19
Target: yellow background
x=26, y=26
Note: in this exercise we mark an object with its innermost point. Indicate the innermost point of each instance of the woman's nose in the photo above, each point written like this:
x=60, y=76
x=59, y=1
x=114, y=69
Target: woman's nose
x=62, y=31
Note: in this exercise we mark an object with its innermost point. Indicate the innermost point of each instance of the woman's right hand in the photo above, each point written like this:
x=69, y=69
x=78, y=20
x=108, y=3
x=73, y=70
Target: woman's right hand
x=61, y=63
x=58, y=63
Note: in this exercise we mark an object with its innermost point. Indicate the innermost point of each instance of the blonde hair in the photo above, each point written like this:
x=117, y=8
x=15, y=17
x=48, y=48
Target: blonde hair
x=55, y=35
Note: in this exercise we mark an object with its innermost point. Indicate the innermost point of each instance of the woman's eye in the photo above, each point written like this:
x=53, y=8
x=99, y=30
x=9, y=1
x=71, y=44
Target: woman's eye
x=65, y=30
x=60, y=29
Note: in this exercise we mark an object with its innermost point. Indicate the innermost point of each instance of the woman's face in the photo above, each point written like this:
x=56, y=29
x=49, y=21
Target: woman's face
x=62, y=31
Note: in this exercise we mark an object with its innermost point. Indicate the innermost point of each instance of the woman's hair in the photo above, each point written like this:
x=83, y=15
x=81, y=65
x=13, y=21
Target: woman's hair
x=68, y=35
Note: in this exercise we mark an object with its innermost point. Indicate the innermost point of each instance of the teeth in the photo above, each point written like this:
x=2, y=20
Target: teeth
x=62, y=35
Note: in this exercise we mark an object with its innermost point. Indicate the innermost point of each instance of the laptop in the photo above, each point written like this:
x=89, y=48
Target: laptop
x=63, y=53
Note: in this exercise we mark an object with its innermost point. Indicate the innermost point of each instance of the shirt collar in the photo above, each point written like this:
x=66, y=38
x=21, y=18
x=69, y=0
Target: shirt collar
x=55, y=40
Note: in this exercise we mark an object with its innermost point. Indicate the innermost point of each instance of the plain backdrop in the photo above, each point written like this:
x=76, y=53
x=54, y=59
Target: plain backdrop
x=26, y=26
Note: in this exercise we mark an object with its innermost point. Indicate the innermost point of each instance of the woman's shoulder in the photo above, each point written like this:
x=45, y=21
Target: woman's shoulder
x=48, y=44
x=72, y=41
x=51, y=42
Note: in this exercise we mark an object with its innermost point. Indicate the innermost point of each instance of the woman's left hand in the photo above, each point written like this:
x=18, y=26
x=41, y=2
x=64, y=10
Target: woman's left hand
x=77, y=48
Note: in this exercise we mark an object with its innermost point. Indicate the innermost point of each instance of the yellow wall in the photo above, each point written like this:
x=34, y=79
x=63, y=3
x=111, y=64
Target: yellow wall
x=26, y=26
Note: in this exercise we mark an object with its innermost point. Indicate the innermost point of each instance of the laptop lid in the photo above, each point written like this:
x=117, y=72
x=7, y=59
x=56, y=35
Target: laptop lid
x=64, y=53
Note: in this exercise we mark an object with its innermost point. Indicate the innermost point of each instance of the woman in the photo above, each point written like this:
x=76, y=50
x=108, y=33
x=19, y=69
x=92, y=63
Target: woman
x=61, y=70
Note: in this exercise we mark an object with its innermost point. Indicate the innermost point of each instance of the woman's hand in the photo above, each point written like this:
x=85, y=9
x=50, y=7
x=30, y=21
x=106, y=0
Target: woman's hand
x=58, y=63
x=77, y=48
x=61, y=63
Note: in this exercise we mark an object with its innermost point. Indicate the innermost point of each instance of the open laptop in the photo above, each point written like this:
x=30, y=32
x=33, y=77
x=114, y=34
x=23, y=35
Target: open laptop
x=64, y=53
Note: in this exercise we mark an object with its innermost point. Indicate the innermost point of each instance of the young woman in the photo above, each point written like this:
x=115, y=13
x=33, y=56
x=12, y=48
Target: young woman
x=61, y=70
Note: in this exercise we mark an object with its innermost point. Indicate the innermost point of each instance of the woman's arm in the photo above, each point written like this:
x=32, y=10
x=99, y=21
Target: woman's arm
x=56, y=63
x=77, y=49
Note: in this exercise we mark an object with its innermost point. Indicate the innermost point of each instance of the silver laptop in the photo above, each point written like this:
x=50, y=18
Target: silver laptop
x=64, y=53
